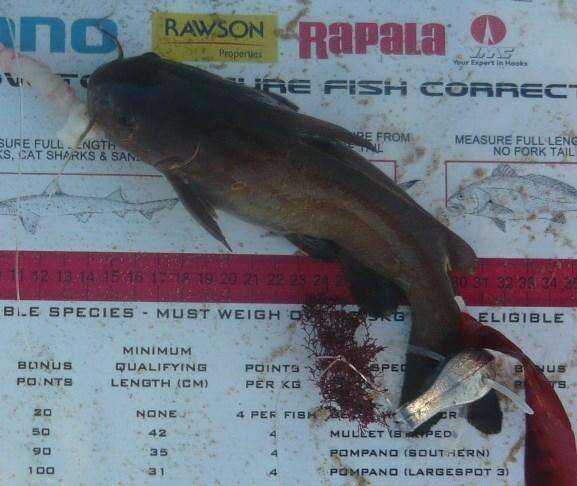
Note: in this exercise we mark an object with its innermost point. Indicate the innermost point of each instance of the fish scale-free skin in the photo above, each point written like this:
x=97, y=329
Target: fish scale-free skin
x=252, y=155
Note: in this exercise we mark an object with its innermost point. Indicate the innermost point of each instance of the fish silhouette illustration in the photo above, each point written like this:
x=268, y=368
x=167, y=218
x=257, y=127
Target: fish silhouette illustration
x=54, y=202
x=506, y=195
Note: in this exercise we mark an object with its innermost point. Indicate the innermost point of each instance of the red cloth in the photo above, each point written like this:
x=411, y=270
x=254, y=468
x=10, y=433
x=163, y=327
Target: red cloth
x=550, y=452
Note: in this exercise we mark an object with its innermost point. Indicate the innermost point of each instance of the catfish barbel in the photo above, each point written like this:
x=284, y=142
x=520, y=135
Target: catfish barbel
x=226, y=146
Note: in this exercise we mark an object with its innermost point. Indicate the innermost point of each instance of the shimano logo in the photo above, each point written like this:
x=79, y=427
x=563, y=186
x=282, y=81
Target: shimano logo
x=82, y=35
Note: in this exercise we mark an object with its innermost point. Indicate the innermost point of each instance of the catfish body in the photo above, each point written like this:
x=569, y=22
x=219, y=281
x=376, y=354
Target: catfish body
x=226, y=146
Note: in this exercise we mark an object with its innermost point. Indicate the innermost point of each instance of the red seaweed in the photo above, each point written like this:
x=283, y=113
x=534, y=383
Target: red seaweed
x=342, y=365
x=550, y=451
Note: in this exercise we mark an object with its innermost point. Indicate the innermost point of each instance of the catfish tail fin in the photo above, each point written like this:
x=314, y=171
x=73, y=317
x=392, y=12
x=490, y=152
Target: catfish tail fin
x=434, y=327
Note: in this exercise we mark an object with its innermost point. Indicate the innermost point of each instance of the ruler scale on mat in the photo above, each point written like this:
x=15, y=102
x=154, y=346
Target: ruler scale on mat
x=275, y=279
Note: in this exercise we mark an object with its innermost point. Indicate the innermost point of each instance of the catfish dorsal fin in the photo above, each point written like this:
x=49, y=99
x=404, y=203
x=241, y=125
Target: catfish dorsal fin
x=504, y=170
x=116, y=195
x=52, y=189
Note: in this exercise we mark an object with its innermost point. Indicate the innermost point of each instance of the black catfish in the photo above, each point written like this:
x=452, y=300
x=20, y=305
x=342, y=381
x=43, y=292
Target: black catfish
x=226, y=146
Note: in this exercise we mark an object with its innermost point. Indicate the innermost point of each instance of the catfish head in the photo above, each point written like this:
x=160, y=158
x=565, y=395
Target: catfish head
x=162, y=110
x=143, y=106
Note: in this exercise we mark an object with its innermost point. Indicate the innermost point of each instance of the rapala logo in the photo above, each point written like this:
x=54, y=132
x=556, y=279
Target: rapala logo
x=84, y=37
x=317, y=39
x=488, y=30
x=201, y=37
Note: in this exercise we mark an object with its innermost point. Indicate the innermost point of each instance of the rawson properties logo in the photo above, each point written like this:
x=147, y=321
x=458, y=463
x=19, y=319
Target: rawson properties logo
x=221, y=38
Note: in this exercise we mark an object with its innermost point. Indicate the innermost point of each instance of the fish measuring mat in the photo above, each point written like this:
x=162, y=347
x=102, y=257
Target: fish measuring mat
x=128, y=326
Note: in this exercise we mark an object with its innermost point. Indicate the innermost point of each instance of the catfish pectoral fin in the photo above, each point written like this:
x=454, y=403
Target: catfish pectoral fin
x=200, y=209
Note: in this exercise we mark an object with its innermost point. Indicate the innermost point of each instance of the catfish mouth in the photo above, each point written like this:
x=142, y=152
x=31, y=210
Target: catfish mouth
x=101, y=84
x=97, y=102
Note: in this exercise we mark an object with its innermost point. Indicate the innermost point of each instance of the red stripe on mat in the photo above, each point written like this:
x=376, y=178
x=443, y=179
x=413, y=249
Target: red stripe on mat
x=274, y=279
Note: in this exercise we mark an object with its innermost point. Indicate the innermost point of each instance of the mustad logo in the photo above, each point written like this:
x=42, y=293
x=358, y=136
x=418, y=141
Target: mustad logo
x=487, y=48
x=318, y=39
x=488, y=30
